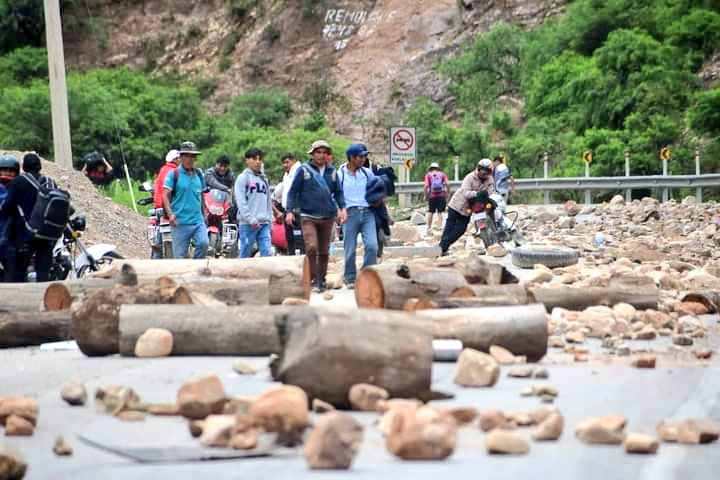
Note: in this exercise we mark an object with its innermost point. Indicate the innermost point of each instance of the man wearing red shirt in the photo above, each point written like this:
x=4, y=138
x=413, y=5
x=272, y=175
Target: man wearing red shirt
x=171, y=163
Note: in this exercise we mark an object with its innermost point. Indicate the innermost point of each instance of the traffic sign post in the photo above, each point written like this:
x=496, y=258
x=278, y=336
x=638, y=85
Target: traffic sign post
x=588, y=157
x=628, y=192
x=665, y=155
x=546, y=160
x=403, y=151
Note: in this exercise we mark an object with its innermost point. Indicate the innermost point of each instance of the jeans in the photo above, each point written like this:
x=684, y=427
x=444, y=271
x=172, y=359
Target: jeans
x=181, y=236
x=317, y=232
x=359, y=221
x=455, y=227
x=42, y=250
x=248, y=237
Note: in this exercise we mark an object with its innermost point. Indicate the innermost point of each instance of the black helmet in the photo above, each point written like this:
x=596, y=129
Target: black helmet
x=223, y=160
x=93, y=158
x=9, y=162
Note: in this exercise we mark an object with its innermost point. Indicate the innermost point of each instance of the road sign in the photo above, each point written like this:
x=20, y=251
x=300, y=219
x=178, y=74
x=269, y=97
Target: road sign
x=666, y=154
x=588, y=156
x=409, y=163
x=403, y=144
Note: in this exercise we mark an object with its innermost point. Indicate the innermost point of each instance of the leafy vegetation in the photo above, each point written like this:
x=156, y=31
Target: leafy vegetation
x=607, y=76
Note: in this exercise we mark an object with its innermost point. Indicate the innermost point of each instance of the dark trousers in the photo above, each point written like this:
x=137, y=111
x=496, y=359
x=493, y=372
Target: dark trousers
x=295, y=242
x=455, y=227
x=42, y=250
x=7, y=257
x=316, y=233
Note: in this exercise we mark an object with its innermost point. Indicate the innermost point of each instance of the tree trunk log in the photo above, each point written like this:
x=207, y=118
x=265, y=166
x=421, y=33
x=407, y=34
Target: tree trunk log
x=288, y=276
x=485, y=296
x=204, y=331
x=709, y=298
x=390, y=286
x=24, y=329
x=248, y=331
x=521, y=329
x=327, y=352
x=580, y=298
x=479, y=271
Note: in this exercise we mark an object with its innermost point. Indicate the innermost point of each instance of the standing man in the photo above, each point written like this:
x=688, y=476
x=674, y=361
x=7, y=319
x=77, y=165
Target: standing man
x=436, y=193
x=354, y=180
x=182, y=195
x=171, y=163
x=504, y=181
x=459, y=208
x=293, y=232
x=254, y=204
x=18, y=206
x=220, y=177
x=9, y=169
x=317, y=195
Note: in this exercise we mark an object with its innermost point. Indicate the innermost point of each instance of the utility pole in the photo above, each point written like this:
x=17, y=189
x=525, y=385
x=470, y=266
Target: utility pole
x=58, y=87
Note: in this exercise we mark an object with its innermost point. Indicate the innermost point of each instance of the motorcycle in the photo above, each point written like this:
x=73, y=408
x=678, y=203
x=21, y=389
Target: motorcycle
x=492, y=223
x=222, y=234
x=72, y=259
x=159, y=230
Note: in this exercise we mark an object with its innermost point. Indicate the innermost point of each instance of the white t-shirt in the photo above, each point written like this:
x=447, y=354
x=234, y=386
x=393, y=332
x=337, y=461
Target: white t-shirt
x=287, y=182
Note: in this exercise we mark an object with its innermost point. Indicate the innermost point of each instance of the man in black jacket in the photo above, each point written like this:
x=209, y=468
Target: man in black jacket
x=18, y=206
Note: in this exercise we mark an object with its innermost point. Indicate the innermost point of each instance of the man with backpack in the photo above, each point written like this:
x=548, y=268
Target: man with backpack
x=182, y=193
x=254, y=204
x=9, y=169
x=39, y=212
x=317, y=195
x=354, y=179
x=436, y=193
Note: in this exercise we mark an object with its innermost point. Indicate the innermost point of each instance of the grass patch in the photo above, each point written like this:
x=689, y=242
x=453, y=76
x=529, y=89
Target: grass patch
x=119, y=193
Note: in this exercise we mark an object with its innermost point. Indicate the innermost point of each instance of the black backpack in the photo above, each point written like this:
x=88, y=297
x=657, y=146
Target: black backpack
x=51, y=212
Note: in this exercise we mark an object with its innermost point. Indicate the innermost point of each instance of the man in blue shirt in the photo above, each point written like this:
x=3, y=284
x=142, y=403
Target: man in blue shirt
x=182, y=195
x=354, y=179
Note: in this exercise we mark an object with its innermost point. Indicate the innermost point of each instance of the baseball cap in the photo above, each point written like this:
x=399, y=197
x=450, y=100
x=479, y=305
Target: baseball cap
x=356, y=150
x=319, y=144
x=189, y=148
x=171, y=156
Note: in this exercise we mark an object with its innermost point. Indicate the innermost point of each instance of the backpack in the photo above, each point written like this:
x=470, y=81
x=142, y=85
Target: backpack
x=437, y=185
x=51, y=212
x=176, y=174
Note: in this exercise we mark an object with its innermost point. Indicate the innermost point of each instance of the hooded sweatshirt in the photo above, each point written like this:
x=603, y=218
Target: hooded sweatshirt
x=253, y=198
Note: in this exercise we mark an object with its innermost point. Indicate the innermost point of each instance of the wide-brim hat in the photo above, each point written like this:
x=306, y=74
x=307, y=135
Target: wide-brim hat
x=189, y=148
x=319, y=144
x=434, y=165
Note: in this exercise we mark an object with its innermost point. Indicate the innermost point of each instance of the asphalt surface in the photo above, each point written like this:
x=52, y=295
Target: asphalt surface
x=606, y=385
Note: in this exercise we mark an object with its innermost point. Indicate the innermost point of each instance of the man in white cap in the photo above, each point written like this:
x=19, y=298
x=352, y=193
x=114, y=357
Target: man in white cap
x=477, y=181
x=436, y=193
x=317, y=195
x=171, y=163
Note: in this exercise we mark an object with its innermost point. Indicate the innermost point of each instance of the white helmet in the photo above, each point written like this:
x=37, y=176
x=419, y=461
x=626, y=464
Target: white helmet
x=172, y=156
x=485, y=164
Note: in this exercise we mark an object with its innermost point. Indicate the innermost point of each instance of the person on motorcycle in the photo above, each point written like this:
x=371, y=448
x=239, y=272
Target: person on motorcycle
x=459, y=211
x=220, y=177
x=9, y=169
x=171, y=162
x=97, y=168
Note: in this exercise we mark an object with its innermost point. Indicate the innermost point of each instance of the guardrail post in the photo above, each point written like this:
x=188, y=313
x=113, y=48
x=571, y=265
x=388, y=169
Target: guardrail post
x=588, y=198
x=628, y=191
x=545, y=175
x=404, y=199
x=665, y=191
x=457, y=169
x=698, y=190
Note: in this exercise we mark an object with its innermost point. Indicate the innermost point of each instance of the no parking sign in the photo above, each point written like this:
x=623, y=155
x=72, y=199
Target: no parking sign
x=403, y=145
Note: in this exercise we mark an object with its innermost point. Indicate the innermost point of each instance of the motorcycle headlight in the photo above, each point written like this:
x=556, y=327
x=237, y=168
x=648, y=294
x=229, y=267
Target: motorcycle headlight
x=78, y=223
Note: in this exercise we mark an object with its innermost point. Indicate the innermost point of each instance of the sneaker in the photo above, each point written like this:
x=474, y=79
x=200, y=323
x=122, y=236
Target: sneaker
x=350, y=285
x=314, y=286
x=322, y=287
x=444, y=253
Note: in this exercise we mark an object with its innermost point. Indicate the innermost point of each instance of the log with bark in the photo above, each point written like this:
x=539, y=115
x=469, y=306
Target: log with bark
x=212, y=330
x=579, y=299
x=485, y=296
x=325, y=353
x=479, y=271
x=24, y=329
x=390, y=286
x=249, y=330
x=709, y=298
x=288, y=276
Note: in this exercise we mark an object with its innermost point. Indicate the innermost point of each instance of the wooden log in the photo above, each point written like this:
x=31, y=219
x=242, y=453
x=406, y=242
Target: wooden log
x=24, y=329
x=326, y=353
x=521, y=329
x=479, y=271
x=288, y=276
x=485, y=296
x=209, y=330
x=581, y=298
x=221, y=330
x=709, y=298
x=390, y=286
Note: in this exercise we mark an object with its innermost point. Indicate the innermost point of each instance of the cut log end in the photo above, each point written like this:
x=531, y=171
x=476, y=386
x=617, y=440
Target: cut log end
x=369, y=292
x=57, y=297
x=463, y=292
x=182, y=296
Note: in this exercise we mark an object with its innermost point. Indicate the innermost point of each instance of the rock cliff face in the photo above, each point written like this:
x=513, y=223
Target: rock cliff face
x=380, y=53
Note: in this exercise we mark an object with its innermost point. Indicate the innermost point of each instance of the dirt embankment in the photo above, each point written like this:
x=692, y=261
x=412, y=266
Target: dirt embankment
x=107, y=222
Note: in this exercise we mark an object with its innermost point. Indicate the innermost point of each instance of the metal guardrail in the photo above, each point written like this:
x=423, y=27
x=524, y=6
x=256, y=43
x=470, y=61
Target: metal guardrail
x=593, y=183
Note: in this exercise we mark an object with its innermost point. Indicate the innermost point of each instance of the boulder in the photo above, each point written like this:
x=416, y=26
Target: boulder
x=24, y=407
x=417, y=218
x=365, y=397
x=491, y=419
x=201, y=396
x=217, y=430
x=476, y=369
x=608, y=430
x=62, y=448
x=506, y=442
x=502, y=355
x=422, y=434
x=549, y=429
x=74, y=393
x=12, y=463
x=640, y=443
x=154, y=342
x=334, y=442
x=16, y=426
x=282, y=410
x=692, y=431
